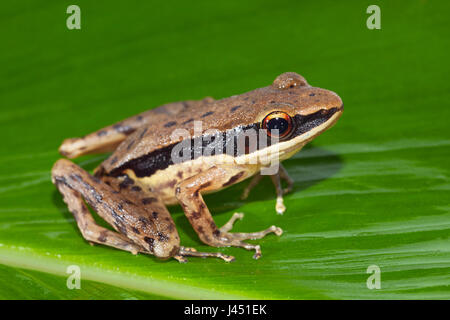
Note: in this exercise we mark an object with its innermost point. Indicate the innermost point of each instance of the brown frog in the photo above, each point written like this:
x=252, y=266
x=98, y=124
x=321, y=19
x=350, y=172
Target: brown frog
x=161, y=158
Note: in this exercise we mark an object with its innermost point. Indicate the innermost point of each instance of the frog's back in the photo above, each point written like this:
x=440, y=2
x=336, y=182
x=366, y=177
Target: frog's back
x=153, y=141
x=154, y=137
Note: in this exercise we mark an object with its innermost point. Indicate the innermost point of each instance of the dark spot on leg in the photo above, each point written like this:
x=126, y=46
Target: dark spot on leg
x=235, y=108
x=196, y=193
x=100, y=172
x=312, y=94
x=172, y=183
x=88, y=187
x=234, y=178
x=180, y=174
x=130, y=145
x=135, y=230
x=207, y=114
x=144, y=220
x=84, y=210
x=94, y=179
x=150, y=242
x=136, y=188
x=59, y=179
x=170, y=124
x=196, y=215
x=216, y=233
x=76, y=177
x=102, y=133
x=129, y=202
x=155, y=214
x=205, y=185
x=121, y=227
x=143, y=133
x=139, y=118
x=174, y=251
x=162, y=237
x=102, y=236
x=149, y=200
x=187, y=121
x=126, y=183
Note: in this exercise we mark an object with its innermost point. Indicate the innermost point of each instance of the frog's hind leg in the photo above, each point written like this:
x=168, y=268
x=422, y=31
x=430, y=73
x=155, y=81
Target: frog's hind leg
x=139, y=193
x=147, y=229
x=90, y=230
x=108, y=138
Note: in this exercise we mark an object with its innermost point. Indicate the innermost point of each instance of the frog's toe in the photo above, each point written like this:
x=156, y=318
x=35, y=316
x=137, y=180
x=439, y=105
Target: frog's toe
x=184, y=251
x=280, y=208
x=229, y=225
x=253, y=235
x=180, y=259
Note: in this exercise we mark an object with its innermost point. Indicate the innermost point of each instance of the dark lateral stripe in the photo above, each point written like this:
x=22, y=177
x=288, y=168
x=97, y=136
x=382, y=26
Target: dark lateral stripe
x=303, y=124
x=160, y=159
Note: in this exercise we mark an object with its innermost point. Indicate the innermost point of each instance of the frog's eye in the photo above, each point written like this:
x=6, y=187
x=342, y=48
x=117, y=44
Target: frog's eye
x=277, y=120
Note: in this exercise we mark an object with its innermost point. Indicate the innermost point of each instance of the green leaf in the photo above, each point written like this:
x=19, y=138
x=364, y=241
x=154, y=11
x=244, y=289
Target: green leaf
x=373, y=190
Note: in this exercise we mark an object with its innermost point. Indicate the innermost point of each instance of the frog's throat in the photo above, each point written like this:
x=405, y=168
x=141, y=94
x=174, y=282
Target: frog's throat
x=306, y=128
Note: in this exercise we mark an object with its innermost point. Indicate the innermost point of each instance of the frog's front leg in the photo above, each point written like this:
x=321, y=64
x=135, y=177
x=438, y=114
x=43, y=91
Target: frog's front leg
x=188, y=193
x=280, y=208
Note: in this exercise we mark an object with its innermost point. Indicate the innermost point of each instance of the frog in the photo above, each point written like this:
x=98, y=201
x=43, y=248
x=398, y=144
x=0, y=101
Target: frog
x=134, y=186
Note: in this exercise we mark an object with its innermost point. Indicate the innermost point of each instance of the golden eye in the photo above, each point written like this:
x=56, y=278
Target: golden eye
x=277, y=120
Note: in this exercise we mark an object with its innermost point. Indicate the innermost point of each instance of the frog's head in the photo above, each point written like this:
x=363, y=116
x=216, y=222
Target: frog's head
x=296, y=113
